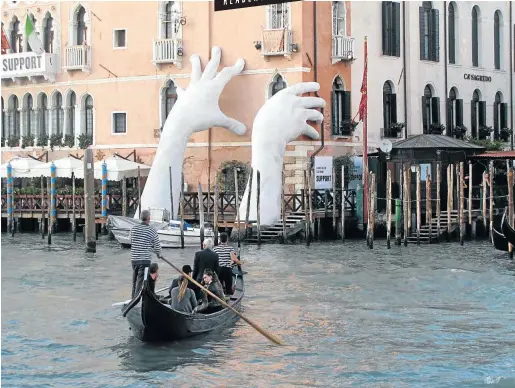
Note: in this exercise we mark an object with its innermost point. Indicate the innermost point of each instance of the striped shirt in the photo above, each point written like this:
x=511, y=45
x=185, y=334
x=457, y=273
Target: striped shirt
x=144, y=239
x=224, y=254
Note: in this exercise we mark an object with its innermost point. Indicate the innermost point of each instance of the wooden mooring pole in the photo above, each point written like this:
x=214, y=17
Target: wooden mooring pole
x=405, y=205
x=171, y=195
x=306, y=204
x=215, y=213
x=372, y=208
x=418, y=203
x=74, y=217
x=483, y=201
x=310, y=204
x=124, y=198
x=258, y=204
x=449, y=201
x=283, y=207
x=237, y=202
x=335, y=234
x=200, y=195
x=139, y=192
x=438, y=199
x=461, y=184
x=247, y=210
x=510, y=204
x=89, y=199
x=472, y=225
x=491, y=187
x=429, y=208
x=388, y=207
x=181, y=205
x=42, y=229
x=342, y=213
x=410, y=229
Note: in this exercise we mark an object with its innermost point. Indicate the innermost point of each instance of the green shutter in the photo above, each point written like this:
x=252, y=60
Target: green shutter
x=425, y=127
x=422, y=27
x=435, y=36
x=482, y=113
x=396, y=29
x=504, y=115
x=435, y=110
x=393, y=105
x=346, y=106
x=385, y=29
x=459, y=112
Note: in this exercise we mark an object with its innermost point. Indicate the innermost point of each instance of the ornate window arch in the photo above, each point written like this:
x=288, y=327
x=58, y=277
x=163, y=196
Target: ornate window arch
x=48, y=33
x=79, y=31
x=88, y=115
x=476, y=36
x=498, y=24
x=278, y=83
x=15, y=38
x=168, y=99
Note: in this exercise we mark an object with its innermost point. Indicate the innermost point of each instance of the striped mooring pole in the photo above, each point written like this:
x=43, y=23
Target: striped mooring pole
x=104, y=194
x=52, y=202
x=10, y=227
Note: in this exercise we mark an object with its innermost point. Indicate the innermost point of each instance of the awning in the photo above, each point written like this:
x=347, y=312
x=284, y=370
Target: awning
x=22, y=168
x=496, y=155
x=63, y=167
x=117, y=169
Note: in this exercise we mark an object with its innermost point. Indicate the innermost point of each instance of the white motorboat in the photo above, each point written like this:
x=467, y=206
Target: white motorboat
x=169, y=231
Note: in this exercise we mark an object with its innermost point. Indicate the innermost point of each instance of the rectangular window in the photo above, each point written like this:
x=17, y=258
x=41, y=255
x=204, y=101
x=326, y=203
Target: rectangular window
x=391, y=28
x=341, y=113
x=119, y=122
x=429, y=27
x=119, y=38
x=277, y=16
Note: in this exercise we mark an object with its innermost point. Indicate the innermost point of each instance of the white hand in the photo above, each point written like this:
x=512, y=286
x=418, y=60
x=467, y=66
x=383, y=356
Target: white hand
x=281, y=120
x=196, y=109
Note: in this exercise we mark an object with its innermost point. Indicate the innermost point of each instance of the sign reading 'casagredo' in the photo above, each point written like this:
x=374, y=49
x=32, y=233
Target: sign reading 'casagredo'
x=225, y=5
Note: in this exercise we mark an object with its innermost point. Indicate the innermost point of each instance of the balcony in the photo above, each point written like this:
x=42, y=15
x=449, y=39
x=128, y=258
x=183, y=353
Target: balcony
x=343, y=48
x=16, y=66
x=77, y=58
x=391, y=133
x=277, y=42
x=167, y=51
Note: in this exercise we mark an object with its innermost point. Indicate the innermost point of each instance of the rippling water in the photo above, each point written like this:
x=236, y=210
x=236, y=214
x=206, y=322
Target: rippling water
x=421, y=316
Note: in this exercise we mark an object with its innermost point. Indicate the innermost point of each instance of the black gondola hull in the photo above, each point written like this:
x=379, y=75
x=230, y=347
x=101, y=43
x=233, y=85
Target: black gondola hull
x=152, y=321
x=508, y=231
x=499, y=241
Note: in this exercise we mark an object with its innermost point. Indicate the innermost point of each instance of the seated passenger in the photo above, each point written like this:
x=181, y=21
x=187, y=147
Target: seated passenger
x=183, y=298
x=211, y=282
x=175, y=283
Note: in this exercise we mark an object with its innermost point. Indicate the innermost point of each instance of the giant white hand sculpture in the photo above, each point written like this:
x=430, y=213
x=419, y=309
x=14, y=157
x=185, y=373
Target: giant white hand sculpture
x=281, y=120
x=196, y=110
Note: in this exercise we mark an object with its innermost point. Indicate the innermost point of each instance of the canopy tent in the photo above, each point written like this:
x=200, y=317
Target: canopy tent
x=117, y=169
x=22, y=168
x=63, y=167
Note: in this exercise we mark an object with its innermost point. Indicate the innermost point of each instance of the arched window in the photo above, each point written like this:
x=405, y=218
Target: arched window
x=4, y=125
x=72, y=101
x=497, y=114
x=43, y=116
x=429, y=25
x=452, y=32
x=277, y=85
x=455, y=115
x=88, y=114
x=168, y=22
x=497, y=40
x=389, y=107
x=477, y=116
x=426, y=109
x=58, y=113
x=475, y=36
x=16, y=37
x=48, y=33
x=81, y=26
x=341, y=114
x=28, y=112
x=168, y=98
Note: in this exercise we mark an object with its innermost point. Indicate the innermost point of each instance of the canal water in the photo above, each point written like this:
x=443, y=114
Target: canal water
x=422, y=316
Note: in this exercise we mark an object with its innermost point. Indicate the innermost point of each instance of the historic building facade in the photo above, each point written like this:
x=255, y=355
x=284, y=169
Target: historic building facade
x=109, y=79
x=435, y=64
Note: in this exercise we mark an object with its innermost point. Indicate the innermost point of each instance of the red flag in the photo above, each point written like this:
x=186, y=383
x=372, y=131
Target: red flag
x=363, y=103
x=5, y=42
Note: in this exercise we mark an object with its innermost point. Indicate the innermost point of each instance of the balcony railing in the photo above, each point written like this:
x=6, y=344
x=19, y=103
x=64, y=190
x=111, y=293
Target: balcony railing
x=343, y=48
x=19, y=65
x=387, y=133
x=165, y=51
x=277, y=41
x=77, y=58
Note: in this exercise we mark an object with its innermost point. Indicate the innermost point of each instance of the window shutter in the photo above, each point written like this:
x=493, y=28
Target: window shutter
x=422, y=28
x=496, y=117
x=450, y=113
x=435, y=110
x=452, y=36
x=425, y=126
x=504, y=115
x=385, y=30
x=459, y=112
x=435, y=35
x=346, y=106
x=393, y=107
x=396, y=29
x=333, y=113
x=482, y=113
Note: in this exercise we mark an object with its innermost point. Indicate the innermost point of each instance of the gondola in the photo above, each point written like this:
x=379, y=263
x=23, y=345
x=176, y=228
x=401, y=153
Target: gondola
x=508, y=231
x=498, y=239
x=151, y=320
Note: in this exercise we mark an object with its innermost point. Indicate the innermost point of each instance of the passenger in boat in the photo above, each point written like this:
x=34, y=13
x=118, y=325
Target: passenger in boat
x=183, y=298
x=211, y=282
x=152, y=276
x=226, y=258
x=144, y=240
x=175, y=282
x=205, y=259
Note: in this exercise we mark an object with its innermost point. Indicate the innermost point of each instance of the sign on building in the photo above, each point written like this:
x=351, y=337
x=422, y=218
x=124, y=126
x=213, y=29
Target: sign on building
x=323, y=172
x=225, y=5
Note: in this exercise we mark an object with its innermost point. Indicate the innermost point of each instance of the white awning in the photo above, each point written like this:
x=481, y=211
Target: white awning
x=63, y=167
x=117, y=169
x=22, y=168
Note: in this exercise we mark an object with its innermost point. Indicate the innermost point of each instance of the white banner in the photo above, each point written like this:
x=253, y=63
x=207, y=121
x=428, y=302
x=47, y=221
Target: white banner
x=323, y=172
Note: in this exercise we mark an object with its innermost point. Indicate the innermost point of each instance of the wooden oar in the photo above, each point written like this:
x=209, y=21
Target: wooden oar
x=254, y=325
x=127, y=301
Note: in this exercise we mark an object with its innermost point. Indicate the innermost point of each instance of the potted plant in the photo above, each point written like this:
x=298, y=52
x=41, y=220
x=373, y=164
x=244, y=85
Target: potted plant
x=459, y=131
x=348, y=126
x=505, y=134
x=436, y=128
x=27, y=141
x=69, y=141
x=13, y=141
x=484, y=131
x=56, y=140
x=42, y=140
x=85, y=141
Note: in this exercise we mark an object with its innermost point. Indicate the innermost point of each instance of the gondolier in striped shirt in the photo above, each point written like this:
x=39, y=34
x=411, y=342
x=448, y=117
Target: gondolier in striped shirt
x=144, y=240
x=226, y=258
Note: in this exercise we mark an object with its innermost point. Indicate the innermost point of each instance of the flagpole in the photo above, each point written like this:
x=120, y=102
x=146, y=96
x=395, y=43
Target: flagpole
x=365, y=141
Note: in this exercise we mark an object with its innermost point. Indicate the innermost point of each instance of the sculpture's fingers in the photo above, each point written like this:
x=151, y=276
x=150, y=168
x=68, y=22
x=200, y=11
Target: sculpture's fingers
x=196, y=69
x=303, y=87
x=308, y=130
x=314, y=115
x=311, y=102
x=231, y=124
x=212, y=66
x=179, y=90
x=228, y=72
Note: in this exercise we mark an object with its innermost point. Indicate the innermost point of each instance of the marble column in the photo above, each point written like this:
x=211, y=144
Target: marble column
x=78, y=121
x=23, y=122
x=36, y=128
x=7, y=126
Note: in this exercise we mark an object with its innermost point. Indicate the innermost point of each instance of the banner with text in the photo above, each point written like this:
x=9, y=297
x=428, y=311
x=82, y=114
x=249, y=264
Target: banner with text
x=225, y=5
x=323, y=172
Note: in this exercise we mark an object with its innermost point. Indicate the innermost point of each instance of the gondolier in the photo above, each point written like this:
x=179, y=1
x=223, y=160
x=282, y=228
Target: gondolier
x=144, y=240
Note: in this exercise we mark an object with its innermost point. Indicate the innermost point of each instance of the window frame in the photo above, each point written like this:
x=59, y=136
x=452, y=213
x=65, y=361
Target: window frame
x=115, y=30
x=498, y=39
x=113, y=123
x=451, y=54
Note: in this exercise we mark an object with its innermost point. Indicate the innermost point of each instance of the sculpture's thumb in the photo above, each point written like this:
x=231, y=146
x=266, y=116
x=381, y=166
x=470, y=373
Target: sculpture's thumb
x=232, y=125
